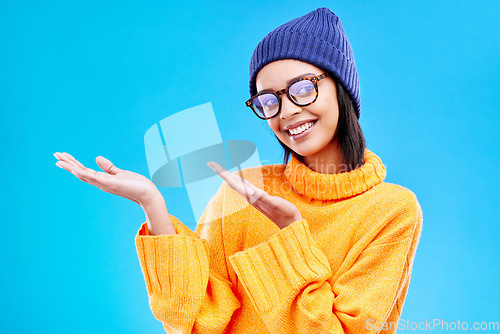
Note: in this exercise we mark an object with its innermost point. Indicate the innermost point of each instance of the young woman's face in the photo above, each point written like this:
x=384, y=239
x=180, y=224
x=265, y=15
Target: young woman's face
x=317, y=143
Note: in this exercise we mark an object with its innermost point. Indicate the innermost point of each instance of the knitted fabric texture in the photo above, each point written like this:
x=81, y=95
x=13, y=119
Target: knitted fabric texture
x=317, y=38
x=343, y=268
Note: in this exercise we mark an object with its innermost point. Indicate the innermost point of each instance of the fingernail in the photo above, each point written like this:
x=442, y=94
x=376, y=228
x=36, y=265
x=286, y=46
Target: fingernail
x=58, y=165
x=55, y=154
x=250, y=191
x=210, y=165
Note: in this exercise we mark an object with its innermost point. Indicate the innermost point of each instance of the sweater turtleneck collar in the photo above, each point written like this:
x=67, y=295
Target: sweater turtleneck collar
x=335, y=186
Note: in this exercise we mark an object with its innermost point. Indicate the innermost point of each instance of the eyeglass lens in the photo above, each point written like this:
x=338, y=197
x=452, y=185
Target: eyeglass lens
x=301, y=92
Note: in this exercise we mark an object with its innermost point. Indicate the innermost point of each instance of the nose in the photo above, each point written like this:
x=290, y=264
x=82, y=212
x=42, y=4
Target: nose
x=288, y=108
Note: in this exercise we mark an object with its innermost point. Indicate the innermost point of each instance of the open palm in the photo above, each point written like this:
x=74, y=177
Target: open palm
x=114, y=180
x=277, y=209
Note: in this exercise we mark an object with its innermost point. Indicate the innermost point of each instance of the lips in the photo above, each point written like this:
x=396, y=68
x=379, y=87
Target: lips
x=303, y=134
x=297, y=124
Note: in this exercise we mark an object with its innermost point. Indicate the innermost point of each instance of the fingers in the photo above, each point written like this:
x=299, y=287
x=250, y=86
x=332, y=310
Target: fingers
x=107, y=165
x=98, y=179
x=259, y=198
x=221, y=171
x=250, y=186
x=74, y=160
x=68, y=159
x=232, y=180
x=69, y=163
x=70, y=167
x=91, y=176
x=238, y=184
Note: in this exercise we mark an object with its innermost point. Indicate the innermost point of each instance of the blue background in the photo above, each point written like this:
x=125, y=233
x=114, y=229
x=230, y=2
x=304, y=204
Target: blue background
x=90, y=77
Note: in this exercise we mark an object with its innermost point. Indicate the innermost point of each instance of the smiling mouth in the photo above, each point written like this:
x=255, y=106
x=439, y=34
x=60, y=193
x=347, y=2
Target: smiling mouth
x=301, y=129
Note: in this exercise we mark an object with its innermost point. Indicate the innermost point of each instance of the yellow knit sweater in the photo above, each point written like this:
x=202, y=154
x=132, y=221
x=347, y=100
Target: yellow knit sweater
x=344, y=268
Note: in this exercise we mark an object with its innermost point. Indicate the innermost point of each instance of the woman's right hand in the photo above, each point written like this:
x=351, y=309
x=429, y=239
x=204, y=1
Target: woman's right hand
x=114, y=180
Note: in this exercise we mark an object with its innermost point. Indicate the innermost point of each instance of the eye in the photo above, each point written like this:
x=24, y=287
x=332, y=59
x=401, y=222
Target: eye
x=305, y=89
x=268, y=100
x=302, y=88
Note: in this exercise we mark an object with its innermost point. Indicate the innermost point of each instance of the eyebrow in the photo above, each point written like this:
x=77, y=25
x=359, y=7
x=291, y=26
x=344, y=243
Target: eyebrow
x=292, y=79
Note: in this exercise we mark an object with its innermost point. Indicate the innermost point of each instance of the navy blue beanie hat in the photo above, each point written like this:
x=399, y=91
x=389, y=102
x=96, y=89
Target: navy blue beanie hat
x=317, y=38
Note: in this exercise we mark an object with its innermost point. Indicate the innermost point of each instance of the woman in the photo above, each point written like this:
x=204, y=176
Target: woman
x=323, y=246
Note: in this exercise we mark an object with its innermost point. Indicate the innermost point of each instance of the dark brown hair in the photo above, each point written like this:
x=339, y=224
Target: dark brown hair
x=348, y=134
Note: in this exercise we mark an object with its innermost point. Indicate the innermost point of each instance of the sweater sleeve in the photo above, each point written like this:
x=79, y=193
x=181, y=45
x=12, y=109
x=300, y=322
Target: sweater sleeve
x=294, y=290
x=186, y=275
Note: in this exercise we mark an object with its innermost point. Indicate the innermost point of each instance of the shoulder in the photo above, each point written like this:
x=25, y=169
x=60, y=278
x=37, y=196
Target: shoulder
x=399, y=208
x=399, y=197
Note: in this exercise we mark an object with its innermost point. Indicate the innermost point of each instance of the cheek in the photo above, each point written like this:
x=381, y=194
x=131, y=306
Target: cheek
x=274, y=124
x=331, y=120
x=329, y=111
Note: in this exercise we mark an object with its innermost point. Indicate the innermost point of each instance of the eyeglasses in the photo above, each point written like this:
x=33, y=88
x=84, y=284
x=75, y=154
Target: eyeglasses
x=302, y=92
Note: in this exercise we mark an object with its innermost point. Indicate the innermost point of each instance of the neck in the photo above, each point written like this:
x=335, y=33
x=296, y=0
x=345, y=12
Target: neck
x=328, y=161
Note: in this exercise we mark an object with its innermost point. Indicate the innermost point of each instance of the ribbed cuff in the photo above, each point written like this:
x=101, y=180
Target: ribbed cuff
x=179, y=227
x=278, y=269
x=173, y=262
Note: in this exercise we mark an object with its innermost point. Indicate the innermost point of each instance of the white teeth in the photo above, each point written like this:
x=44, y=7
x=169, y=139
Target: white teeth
x=301, y=128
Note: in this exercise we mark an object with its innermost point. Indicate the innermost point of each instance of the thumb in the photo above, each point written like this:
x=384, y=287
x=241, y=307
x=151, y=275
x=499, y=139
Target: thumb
x=106, y=165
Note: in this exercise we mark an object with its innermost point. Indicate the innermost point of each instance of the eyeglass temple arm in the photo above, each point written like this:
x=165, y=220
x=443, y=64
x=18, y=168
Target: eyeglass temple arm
x=322, y=76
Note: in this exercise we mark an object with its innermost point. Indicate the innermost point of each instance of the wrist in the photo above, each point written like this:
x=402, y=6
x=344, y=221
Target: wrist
x=151, y=198
x=298, y=217
x=157, y=216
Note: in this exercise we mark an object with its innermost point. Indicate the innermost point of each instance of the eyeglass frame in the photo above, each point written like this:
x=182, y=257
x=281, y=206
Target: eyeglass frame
x=278, y=93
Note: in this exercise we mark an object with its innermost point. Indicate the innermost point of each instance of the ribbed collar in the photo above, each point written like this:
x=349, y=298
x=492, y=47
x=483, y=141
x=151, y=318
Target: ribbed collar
x=335, y=186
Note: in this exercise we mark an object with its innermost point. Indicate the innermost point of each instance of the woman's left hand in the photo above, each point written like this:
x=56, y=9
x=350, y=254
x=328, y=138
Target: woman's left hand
x=277, y=209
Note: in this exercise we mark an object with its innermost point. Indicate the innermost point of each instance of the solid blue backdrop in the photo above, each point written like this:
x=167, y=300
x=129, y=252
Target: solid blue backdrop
x=90, y=77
